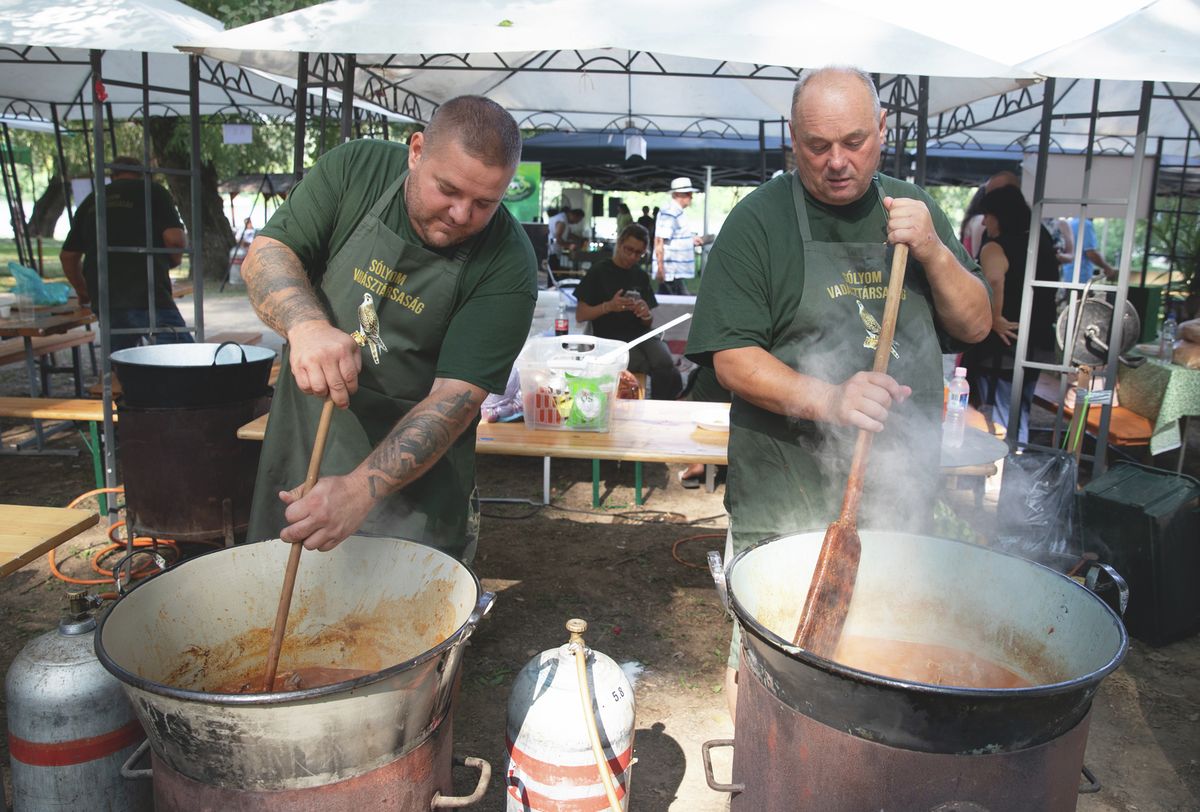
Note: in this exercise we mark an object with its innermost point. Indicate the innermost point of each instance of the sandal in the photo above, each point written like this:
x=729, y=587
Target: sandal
x=689, y=484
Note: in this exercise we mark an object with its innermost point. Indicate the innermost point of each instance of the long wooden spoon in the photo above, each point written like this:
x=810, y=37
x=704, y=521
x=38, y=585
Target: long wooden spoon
x=832, y=584
x=293, y=562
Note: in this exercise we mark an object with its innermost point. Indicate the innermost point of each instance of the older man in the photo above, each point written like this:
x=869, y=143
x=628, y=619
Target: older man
x=789, y=318
x=408, y=248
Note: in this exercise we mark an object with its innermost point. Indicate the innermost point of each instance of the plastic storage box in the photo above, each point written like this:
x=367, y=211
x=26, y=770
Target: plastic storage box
x=567, y=384
x=1146, y=523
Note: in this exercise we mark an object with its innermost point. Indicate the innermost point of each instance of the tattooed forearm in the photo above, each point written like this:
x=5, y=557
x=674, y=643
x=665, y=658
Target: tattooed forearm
x=422, y=436
x=277, y=286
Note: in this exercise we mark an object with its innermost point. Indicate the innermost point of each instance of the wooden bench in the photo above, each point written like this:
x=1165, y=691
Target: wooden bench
x=77, y=410
x=1126, y=428
x=12, y=351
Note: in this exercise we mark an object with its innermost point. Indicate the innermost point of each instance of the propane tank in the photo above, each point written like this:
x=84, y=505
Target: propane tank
x=551, y=763
x=70, y=727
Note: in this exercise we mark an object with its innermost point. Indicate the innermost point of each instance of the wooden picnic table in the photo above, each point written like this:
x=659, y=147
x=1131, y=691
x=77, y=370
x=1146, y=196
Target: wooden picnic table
x=28, y=532
x=665, y=431
x=640, y=431
x=37, y=325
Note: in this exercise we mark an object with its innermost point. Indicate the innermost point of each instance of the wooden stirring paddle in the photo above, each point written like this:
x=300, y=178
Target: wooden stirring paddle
x=832, y=584
x=293, y=562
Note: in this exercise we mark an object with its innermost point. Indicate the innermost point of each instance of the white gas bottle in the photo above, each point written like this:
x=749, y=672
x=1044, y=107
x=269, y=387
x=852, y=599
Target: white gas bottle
x=551, y=762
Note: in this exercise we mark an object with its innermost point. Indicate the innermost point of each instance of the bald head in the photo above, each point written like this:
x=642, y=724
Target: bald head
x=837, y=133
x=831, y=77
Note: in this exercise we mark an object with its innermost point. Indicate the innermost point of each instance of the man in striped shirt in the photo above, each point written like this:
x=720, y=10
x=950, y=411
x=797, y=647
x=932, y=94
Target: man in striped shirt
x=675, y=241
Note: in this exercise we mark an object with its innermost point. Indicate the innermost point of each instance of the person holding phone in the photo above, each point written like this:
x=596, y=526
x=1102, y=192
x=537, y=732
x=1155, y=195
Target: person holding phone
x=617, y=298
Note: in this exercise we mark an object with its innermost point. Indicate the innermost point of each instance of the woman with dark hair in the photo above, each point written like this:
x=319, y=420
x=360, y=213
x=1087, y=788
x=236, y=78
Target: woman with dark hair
x=1006, y=218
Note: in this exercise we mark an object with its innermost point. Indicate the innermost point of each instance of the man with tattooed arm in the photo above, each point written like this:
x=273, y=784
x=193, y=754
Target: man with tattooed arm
x=409, y=249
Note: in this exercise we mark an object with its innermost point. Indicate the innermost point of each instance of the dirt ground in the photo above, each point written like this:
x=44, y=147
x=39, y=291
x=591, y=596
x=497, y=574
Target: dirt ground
x=615, y=567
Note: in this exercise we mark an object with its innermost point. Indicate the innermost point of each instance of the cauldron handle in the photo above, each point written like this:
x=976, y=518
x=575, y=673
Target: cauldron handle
x=708, y=770
x=225, y=344
x=1093, y=783
x=717, y=569
x=484, y=605
x=127, y=770
x=1091, y=581
x=459, y=801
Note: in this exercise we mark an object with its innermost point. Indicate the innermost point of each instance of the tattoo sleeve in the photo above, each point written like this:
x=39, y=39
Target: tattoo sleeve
x=422, y=436
x=278, y=288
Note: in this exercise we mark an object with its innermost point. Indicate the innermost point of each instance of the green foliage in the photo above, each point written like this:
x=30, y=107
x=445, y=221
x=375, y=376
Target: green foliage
x=953, y=200
x=247, y=11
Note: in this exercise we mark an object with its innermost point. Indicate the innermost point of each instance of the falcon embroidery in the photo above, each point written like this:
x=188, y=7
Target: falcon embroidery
x=367, y=334
x=873, y=329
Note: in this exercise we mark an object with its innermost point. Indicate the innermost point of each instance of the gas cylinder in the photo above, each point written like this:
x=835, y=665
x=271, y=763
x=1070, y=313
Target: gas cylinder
x=70, y=727
x=551, y=762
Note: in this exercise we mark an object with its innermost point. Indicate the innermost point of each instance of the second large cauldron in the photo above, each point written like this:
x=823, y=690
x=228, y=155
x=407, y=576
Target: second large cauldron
x=394, y=611
x=816, y=734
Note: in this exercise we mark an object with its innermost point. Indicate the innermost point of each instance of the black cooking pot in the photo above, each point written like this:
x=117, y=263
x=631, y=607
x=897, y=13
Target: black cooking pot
x=192, y=375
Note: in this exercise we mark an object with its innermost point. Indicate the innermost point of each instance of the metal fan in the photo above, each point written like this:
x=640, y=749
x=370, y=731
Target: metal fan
x=1093, y=325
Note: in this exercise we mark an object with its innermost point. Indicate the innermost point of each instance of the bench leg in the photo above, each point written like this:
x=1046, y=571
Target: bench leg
x=31, y=368
x=637, y=481
x=595, y=483
x=97, y=465
x=76, y=370
x=545, y=480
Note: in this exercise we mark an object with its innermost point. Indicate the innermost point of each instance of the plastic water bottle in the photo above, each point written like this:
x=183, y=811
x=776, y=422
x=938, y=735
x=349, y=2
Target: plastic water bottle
x=955, y=423
x=561, y=323
x=1166, y=342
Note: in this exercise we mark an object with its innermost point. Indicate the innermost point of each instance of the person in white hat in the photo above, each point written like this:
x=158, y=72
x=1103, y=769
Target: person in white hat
x=675, y=241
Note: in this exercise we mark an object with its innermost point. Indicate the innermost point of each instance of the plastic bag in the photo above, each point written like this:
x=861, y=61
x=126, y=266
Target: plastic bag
x=505, y=407
x=30, y=284
x=1036, y=514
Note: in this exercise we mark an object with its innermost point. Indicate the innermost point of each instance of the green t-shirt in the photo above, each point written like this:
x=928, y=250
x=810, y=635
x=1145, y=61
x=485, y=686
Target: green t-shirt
x=125, y=207
x=755, y=274
x=497, y=286
x=602, y=282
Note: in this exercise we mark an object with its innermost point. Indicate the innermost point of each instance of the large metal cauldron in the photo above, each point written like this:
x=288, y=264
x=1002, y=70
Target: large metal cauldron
x=192, y=375
x=815, y=734
x=395, y=608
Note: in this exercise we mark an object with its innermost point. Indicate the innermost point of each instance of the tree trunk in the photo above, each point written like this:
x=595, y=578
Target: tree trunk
x=47, y=209
x=169, y=152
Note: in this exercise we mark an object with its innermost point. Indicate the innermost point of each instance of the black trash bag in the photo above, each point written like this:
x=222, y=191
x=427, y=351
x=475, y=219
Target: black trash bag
x=1037, y=515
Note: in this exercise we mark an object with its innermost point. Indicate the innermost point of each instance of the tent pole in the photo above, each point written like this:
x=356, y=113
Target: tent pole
x=1153, y=211
x=100, y=302
x=922, y=127
x=197, y=240
x=707, y=193
x=17, y=206
x=347, y=95
x=301, y=104
x=148, y=218
x=762, y=151
x=62, y=166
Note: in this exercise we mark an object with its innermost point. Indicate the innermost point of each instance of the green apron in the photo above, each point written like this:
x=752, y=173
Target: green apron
x=414, y=290
x=788, y=475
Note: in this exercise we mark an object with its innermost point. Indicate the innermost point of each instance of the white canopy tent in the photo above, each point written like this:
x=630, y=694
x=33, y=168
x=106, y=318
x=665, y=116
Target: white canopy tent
x=44, y=51
x=616, y=66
